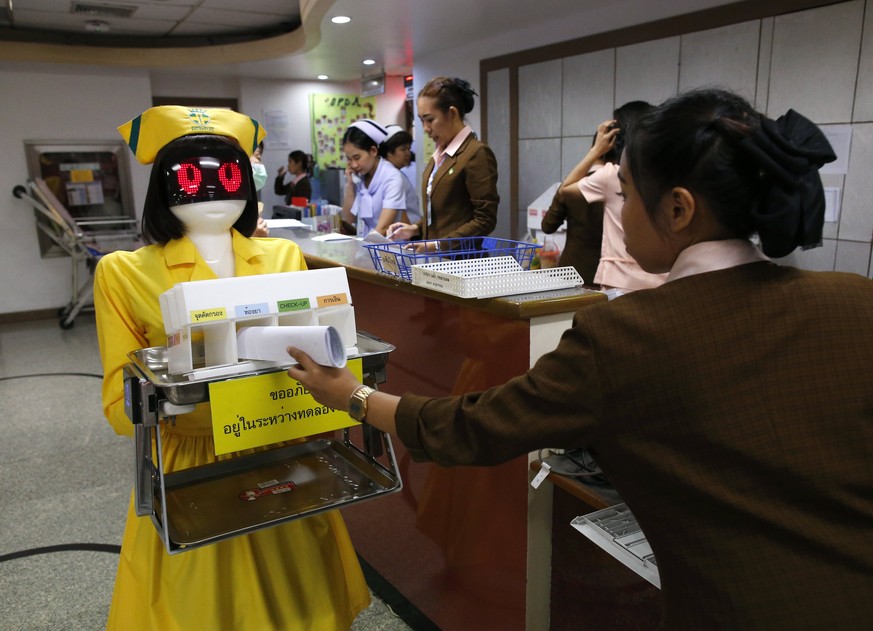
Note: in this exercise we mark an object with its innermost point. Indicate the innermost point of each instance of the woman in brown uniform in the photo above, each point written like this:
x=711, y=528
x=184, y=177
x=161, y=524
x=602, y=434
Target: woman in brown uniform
x=731, y=406
x=459, y=183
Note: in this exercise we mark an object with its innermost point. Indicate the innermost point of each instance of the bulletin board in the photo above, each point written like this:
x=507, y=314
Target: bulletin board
x=331, y=116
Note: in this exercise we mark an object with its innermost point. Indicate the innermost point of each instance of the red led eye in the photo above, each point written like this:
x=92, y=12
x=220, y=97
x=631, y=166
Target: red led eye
x=189, y=178
x=230, y=176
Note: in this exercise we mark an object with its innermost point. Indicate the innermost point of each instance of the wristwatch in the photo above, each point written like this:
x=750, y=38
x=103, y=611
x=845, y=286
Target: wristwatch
x=358, y=402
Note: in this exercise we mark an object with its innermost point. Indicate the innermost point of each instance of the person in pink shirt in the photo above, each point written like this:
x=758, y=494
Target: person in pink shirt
x=617, y=271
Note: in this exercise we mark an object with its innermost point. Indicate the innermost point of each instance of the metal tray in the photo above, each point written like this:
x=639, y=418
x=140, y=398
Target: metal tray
x=239, y=495
x=179, y=390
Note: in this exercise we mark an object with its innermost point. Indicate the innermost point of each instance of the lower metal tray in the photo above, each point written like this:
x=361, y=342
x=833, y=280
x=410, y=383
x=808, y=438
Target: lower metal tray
x=247, y=493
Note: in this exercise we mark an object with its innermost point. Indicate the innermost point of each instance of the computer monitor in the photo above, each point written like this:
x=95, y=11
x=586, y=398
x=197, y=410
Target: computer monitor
x=280, y=211
x=331, y=185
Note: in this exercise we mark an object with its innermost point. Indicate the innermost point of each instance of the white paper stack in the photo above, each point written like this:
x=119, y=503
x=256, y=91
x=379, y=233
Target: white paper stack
x=322, y=343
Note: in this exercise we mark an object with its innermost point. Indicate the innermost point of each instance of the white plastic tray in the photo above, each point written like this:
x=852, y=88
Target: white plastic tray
x=490, y=277
x=615, y=530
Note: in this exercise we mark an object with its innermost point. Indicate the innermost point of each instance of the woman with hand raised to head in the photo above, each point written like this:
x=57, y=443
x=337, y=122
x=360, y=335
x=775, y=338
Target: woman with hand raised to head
x=298, y=171
x=731, y=406
x=200, y=211
x=617, y=272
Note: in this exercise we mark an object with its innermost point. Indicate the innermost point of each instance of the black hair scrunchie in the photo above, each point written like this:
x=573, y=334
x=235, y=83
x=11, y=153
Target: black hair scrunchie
x=789, y=152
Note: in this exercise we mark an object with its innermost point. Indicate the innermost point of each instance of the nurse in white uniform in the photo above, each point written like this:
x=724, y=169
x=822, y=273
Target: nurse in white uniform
x=374, y=196
x=397, y=149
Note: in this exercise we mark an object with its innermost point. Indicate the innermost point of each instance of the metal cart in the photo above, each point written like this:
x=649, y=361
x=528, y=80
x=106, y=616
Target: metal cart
x=84, y=240
x=208, y=503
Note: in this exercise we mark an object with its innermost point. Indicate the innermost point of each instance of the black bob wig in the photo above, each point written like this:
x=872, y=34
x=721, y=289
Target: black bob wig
x=159, y=224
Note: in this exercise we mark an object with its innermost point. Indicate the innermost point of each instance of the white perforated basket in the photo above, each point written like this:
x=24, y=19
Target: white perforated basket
x=490, y=277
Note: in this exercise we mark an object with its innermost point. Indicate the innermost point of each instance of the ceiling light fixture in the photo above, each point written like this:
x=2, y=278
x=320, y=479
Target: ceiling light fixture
x=102, y=9
x=97, y=26
x=340, y=19
x=322, y=77
x=373, y=85
x=369, y=62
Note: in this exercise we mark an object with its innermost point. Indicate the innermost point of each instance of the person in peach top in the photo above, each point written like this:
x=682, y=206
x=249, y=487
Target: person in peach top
x=617, y=271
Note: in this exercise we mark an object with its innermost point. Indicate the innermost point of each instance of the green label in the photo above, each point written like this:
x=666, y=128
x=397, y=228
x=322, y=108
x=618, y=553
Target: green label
x=297, y=304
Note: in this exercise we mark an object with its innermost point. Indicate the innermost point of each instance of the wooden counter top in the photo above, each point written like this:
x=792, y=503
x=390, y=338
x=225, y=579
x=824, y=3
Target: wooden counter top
x=520, y=306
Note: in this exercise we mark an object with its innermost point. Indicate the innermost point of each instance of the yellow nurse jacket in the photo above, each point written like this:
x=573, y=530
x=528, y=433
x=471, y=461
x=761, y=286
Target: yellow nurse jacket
x=300, y=575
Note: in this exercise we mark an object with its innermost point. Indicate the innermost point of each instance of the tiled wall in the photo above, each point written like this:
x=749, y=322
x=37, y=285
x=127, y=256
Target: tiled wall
x=498, y=86
x=818, y=62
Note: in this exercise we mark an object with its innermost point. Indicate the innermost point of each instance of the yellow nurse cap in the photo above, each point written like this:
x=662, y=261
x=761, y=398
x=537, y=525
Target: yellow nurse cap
x=149, y=132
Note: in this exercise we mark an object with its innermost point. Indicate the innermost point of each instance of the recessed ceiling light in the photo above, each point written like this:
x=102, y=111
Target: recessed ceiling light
x=369, y=62
x=322, y=77
x=97, y=26
x=340, y=19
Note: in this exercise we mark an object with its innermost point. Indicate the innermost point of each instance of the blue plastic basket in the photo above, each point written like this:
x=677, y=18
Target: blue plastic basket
x=397, y=259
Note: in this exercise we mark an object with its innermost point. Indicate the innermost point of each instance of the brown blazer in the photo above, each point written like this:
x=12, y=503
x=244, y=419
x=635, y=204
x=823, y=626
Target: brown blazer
x=733, y=411
x=584, y=233
x=464, y=195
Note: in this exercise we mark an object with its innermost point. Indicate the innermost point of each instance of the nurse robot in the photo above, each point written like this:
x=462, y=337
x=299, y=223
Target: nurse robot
x=200, y=210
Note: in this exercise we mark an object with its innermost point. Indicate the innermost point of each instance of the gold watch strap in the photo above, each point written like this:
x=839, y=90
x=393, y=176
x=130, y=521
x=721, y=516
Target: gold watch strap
x=358, y=402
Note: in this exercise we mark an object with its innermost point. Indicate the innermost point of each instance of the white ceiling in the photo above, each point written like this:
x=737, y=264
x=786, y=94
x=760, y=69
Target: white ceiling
x=392, y=32
x=160, y=18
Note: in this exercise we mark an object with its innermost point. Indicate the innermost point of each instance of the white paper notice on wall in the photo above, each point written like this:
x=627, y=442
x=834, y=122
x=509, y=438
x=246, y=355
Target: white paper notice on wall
x=840, y=137
x=832, y=204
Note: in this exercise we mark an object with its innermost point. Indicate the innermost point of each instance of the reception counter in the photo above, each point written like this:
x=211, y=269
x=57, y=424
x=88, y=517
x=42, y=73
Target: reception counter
x=469, y=547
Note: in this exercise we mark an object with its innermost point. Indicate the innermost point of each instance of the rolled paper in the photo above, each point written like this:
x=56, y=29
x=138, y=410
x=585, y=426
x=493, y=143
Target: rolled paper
x=322, y=343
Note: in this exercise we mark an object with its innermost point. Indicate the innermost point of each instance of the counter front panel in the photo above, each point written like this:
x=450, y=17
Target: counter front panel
x=453, y=542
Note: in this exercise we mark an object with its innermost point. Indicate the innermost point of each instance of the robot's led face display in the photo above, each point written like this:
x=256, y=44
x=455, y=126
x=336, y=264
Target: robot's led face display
x=223, y=174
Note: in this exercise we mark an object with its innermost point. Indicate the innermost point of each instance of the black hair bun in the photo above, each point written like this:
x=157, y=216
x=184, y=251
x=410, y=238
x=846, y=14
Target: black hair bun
x=467, y=94
x=788, y=153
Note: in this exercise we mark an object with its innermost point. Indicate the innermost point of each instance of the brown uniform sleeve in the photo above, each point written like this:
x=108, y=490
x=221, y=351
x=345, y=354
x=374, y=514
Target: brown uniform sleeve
x=556, y=403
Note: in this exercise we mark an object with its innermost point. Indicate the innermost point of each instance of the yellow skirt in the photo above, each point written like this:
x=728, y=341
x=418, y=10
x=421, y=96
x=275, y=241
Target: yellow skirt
x=303, y=575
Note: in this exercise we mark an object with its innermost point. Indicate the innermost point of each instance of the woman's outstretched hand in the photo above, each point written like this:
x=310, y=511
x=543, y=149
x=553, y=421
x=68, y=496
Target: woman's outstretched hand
x=333, y=387
x=329, y=386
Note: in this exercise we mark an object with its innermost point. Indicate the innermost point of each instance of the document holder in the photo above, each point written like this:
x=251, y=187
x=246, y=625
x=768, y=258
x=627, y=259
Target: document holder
x=208, y=503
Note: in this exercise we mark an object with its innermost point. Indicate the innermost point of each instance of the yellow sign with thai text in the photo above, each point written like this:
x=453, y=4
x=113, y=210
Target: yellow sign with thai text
x=265, y=409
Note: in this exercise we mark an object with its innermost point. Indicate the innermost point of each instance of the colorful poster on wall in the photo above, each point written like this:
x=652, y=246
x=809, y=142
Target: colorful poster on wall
x=331, y=115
